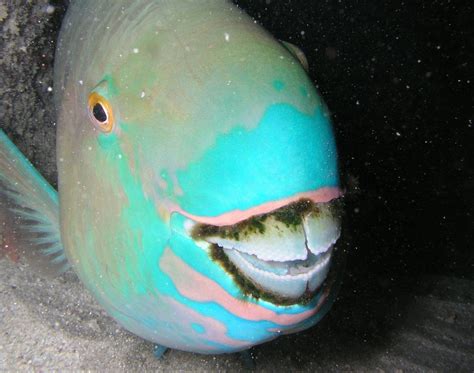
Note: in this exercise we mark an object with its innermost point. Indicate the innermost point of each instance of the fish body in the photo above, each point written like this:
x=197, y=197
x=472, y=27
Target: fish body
x=197, y=174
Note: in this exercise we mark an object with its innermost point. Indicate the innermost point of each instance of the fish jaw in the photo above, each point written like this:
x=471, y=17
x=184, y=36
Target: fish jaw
x=282, y=256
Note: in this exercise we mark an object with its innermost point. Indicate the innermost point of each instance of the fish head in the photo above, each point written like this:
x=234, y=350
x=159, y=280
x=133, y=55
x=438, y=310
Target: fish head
x=200, y=152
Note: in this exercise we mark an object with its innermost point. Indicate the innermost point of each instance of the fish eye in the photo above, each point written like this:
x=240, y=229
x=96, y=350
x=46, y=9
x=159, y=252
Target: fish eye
x=100, y=112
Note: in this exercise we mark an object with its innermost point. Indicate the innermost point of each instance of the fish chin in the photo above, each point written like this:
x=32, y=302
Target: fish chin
x=283, y=256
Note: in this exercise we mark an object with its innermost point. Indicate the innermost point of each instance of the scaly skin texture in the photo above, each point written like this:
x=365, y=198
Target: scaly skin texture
x=212, y=116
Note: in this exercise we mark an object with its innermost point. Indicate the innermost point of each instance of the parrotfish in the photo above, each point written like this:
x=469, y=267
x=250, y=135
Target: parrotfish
x=198, y=186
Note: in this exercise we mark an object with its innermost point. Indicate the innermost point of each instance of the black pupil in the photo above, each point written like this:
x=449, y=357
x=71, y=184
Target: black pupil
x=99, y=113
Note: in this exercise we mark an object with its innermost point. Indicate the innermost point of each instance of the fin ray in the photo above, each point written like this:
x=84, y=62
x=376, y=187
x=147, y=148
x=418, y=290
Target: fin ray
x=29, y=212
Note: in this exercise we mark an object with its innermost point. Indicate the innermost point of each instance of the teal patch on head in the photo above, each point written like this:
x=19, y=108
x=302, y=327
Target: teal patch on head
x=106, y=87
x=304, y=91
x=279, y=85
x=107, y=84
x=289, y=152
x=198, y=328
x=107, y=140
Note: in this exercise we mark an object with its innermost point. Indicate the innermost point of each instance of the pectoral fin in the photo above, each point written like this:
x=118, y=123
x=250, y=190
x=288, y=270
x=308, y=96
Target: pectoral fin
x=29, y=213
x=298, y=53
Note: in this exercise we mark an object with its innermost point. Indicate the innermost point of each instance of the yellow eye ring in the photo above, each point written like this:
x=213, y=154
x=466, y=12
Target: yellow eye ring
x=100, y=112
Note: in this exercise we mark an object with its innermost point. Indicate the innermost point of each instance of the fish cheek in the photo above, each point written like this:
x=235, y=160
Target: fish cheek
x=93, y=198
x=117, y=233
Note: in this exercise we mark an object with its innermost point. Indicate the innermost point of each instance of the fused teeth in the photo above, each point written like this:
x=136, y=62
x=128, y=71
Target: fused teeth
x=319, y=230
x=290, y=285
x=286, y=253
x=322, y=229
x=277, y=242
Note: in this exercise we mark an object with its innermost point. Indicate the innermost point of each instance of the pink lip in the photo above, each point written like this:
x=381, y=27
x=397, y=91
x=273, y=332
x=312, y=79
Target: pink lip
x=232, y=217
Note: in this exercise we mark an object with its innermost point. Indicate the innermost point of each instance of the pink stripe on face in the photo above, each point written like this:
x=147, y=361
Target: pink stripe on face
x=213, y=330
x=199, y=288
x=229, y=218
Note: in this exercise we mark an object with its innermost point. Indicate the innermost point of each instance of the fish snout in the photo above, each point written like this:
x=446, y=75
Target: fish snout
x=286, y=154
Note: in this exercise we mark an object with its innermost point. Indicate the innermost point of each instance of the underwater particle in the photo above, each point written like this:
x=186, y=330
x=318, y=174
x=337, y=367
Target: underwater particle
x=50, y=9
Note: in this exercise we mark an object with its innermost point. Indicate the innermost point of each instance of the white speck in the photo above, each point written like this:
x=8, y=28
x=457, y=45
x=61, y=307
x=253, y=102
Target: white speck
x=282, y=57
x=419, y=61
x=188, y=225
x=50, y=89
x=142, y=94
x=61, y=159
x=89, y=148
x=50, y=9
x=119, y=156
x=227, y=36
x=81, y=82
x=136, y=50
x=357, y=102
x=302, y=32
x=398, y=134
x=229, y=82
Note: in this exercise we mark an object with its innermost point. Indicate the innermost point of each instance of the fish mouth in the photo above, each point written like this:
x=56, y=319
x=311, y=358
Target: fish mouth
x=282, y=256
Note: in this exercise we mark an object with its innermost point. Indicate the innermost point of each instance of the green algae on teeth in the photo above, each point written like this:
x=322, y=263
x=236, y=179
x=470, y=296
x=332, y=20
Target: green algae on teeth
x=291, y=216
x=249, y=288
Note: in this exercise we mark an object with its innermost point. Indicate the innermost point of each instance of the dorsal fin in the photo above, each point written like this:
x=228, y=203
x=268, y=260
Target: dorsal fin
x=29, y=213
